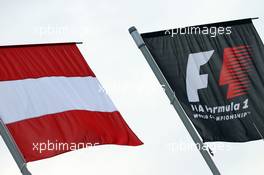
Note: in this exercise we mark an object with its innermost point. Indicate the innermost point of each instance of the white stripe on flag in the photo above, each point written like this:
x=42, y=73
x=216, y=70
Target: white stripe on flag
x=24, y=99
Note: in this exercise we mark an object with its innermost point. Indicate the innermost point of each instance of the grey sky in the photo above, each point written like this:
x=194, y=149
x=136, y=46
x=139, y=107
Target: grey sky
x=109, y=50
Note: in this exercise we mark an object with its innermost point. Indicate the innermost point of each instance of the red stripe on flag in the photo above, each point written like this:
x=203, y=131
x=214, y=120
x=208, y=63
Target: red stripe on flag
x=35, y=61
x=71, y=127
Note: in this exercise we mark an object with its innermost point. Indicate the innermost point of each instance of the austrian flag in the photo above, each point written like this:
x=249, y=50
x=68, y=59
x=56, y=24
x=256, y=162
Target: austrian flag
x=48, y=93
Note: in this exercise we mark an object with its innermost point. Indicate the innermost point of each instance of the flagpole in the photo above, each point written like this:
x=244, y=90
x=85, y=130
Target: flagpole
x=173, y=99
x=13, y=148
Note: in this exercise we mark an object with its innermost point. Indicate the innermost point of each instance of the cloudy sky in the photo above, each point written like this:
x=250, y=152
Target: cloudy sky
x=109, y=50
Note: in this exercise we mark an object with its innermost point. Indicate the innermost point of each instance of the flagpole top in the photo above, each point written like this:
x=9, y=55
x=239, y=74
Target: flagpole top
x=39, y=44
x=132, y=29
x=137, y=37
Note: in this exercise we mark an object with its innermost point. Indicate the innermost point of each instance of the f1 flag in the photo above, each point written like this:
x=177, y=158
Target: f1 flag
x=216, y=71
x=51, y=102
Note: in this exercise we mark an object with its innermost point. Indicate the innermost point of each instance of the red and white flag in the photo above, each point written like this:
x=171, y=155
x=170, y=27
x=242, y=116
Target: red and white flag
x=51, y=102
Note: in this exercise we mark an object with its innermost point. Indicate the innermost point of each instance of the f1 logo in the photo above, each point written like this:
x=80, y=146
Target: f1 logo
x=237, y=62
x=194, y=80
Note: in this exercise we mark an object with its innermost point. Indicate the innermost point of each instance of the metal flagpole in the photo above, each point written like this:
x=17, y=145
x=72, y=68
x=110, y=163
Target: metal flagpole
x=173, y=99
x=14, y=150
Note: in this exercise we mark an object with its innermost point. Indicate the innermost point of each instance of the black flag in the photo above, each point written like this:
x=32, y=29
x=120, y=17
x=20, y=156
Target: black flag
x=217, y=73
